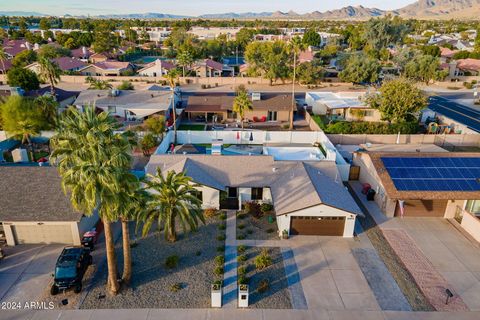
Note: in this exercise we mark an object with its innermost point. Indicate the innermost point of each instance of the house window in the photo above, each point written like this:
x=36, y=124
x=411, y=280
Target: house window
x=231, y=114
x=197, y=194
x=368, y=113
x=112, y=109
x=232, y=192
x=272, y=116
x=257, y=193
x=473, y=206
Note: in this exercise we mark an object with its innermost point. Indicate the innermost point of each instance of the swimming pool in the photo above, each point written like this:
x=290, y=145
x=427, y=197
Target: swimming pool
x=294, y=153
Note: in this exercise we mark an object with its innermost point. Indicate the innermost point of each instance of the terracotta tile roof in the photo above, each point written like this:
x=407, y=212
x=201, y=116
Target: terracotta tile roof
x=447, y=53
x=469, y=64
x=392, y=191
x=305, y=56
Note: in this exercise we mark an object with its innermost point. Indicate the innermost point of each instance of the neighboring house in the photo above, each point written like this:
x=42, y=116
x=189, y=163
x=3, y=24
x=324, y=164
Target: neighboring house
x=66, y=64
x=306, y=56
x=157, y=68
x=208, y=68
x=34, y=209
x=156, y=34
x=271, y=37
x=99, y=57
x=447, y=53
x=308, y=197
x=63, y=97
x=82, y=53
x=129, y=105
x=328, y=38
x=273, y=107
x=467, y=66
x=5, y=66
x=341, y=106
x=107, y=68
x=211, y=33
x=14, y=47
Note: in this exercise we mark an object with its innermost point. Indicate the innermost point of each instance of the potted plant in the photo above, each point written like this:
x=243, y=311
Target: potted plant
x=243, y=296
x=285, y=234
x=216, y=294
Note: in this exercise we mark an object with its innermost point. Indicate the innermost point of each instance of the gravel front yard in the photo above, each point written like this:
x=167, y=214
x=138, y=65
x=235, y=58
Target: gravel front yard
x=153, y=283
x=277, y=296
x=252, y=228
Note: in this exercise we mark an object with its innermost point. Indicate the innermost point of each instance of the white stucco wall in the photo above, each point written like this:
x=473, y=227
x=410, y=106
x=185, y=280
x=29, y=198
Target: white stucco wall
x=471, y=224
x=210, y=197
x=267, y=195
x=283, y=221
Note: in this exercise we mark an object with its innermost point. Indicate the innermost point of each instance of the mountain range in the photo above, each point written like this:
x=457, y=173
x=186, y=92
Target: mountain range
x=421, y=9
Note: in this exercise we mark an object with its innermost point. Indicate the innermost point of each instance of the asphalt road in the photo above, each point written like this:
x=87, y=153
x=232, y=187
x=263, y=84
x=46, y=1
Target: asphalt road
x=456, y=111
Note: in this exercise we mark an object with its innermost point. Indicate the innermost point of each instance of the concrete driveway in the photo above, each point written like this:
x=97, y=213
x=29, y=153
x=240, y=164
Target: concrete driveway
x=331, y=277
x=452, y=254
x=26, y=271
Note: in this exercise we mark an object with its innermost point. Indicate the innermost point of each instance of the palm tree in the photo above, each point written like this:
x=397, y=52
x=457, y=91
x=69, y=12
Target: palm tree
x=94, y=165
x=172, y=197
x=296, y=45
x=98, y=84
x=185, y=59
x=3, y=58
x=49, y=108
x=242, y=103
x=49, y=71
x=172, y=78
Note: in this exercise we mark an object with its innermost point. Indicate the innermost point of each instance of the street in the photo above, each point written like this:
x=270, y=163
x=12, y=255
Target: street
x=456, y=111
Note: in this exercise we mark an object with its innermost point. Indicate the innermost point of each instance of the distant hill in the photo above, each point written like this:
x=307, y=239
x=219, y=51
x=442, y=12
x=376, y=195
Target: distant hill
x=430, y=9
x=21, y=13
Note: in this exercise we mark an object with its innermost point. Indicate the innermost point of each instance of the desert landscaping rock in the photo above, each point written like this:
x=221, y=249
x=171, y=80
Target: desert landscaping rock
x=258, y=228
x=152, y=280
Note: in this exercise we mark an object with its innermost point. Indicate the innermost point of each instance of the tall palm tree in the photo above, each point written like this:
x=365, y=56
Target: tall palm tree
x=49, y=108
x=3, y=58
x=94, y=165
x=242, y=103
x=49, y=71
x=172, y=197
x=185, y=59
x=172, y=78
x=296, y=45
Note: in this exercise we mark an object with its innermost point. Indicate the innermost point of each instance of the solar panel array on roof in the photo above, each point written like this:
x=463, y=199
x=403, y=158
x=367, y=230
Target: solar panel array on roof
x=434, y=174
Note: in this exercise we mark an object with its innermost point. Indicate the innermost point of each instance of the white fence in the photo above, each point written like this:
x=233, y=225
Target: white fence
x=259, y=137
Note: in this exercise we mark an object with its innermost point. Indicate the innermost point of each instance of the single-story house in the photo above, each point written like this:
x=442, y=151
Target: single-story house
x=421, y=184
x=157, y=68
x=308, y=197
x=14, y=47
x=273, y=107
x=63, y=97
x=100, y=57
x=66, y=64
x=208, y=68
x=107, y=68
x=467, y=66
x=130, y=105
x=34, y=208
x=341, y=105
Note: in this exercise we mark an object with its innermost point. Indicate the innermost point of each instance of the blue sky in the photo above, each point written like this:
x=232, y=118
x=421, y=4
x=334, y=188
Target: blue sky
x=186, y=7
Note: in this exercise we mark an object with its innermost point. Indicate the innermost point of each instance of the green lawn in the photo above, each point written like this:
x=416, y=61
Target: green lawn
x=193, y=127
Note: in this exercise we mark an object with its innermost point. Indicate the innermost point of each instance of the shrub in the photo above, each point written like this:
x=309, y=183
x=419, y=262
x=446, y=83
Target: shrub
x=223, y=216
x=176, y=287
x=172, y=261
x=270, y=230
x=210, y=212
x=242, y=271
x=218, y=270
x=219, y=260
x=263, y=260
x=241, y=249
x=263, y=286
x=242, y=280
x=253, y=209
x=242, y=258
x=241, y=226
x=241, y=215
x=221, y=237
x=217, y=284
x=198, y=253
x=249, y=231
x=266, y=207
x=221, y=249
x=241, y=236
x=203, y=86
x=222, y=227
x=125, y=85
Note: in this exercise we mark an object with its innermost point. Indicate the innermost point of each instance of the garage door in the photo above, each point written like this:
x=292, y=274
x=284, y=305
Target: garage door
x=423, y=208
x=43, y=234
x=321, y=226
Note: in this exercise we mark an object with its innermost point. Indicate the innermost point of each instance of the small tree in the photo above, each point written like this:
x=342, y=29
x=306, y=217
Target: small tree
x=422, y=68
x=148, y=142
x=23, y=78
x=360, y=68
x=312, y=38
x=155, y=125
x=185, y=60
x=398, y=100
x=126, y=85
x=242, y=103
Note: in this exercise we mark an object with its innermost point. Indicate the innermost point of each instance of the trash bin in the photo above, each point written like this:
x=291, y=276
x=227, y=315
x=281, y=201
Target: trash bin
x=370, y=195
x=366, y=187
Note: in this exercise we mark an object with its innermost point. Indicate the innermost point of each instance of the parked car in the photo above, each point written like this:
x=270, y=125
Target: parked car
x=70, y=269
x=89, y=239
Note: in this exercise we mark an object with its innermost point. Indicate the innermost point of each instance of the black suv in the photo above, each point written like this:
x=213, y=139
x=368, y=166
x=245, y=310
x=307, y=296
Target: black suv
x=70, y=268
